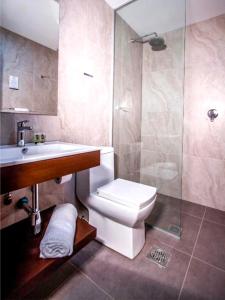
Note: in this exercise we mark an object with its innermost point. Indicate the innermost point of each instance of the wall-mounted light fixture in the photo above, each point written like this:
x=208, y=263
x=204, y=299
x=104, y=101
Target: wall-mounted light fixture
x=212, y=114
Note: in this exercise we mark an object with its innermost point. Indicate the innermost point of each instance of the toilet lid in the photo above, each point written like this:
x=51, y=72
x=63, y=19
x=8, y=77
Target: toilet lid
x=128, y=193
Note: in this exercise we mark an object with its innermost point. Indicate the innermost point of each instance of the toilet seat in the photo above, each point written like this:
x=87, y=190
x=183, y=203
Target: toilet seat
x=128, y=193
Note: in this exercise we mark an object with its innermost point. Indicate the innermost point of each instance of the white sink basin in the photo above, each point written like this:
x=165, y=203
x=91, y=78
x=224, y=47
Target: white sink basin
x=10, y=155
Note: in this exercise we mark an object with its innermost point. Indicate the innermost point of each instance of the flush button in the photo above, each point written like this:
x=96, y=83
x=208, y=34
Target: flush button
x=13, y=82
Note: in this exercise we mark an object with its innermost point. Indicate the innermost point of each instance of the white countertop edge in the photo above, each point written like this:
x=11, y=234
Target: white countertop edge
x=48, y=156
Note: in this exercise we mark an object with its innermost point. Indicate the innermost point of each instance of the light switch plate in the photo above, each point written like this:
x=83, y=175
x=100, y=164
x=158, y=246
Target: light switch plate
x=13, y=82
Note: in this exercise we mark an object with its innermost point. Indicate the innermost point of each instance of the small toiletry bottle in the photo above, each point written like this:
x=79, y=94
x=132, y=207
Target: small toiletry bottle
x=43, y=138
x=37, y=138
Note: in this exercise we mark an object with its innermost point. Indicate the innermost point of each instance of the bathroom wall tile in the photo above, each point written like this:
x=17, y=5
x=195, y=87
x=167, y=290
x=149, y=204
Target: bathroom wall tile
x=85, y=100
x=203, y=181
x=205, y=43
x=204, y=144
x=211, y=252
x=7, y=129
x=203, y=282
x=170, y=58
x=50, y=193
x=204, y=90
x=162, y=123
x=162, y=143
x=162, y=90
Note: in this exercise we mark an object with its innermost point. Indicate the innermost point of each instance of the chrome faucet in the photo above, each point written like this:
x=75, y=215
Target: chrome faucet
x=21, y=128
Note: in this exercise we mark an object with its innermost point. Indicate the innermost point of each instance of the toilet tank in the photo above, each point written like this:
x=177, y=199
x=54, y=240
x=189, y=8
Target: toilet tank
x=88, y=181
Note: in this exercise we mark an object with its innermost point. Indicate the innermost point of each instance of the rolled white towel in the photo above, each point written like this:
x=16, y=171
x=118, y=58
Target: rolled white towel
x=58, y=240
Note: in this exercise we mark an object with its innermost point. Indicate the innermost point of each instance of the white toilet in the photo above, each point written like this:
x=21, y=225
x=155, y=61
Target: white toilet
x=117, y=208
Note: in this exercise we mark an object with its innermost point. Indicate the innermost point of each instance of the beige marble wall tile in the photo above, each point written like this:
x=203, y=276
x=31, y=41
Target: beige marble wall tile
x=171, y=144
x=172, y=57
x=204, y=181
x=86, y=45
x=162, y=90
x=204, y=141
x=205, y=43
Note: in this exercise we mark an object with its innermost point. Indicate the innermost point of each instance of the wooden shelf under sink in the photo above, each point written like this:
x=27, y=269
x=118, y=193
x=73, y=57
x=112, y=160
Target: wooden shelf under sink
x=21, y=267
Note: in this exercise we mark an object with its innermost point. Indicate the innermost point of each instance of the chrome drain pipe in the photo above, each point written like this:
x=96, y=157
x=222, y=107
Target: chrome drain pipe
x=35, y=215
x=34, y=210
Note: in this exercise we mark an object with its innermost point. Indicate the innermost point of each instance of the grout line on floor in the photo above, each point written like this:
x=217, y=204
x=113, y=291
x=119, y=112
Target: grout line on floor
x=174, y=247
x=185, y=276
x=95, y=284
x=205, y=262
x=61, y=284
x=217, y=223
x=190, y=215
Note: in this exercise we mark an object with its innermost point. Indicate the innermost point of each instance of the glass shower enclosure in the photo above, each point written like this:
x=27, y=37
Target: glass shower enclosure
x=148, y=102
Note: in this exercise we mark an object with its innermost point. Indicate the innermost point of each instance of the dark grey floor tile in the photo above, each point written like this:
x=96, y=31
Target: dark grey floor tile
x=203, y=282
x=79, y=287
x=190, y=227
x=192, y=209
x=56, y=279
x=211, y=244
x=215, y=215
x=137, y=279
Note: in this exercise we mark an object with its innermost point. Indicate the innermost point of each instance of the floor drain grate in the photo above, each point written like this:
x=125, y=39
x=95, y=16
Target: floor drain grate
x=159, y=256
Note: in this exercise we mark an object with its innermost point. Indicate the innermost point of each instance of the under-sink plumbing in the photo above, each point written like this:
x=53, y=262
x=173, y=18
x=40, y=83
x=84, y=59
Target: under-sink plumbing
x=33, y=211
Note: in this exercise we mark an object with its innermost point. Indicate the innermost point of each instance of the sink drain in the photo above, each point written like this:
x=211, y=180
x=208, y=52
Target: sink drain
x=159, y=256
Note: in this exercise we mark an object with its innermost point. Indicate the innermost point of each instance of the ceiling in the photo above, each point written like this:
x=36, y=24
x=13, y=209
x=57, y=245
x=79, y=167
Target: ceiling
x=116, y=3
x=37, y=20
x=146, y=16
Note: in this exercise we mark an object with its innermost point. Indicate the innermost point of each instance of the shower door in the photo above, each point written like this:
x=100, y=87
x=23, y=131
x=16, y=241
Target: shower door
x=148, y=102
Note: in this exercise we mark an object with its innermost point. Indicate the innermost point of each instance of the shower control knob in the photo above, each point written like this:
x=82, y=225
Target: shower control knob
x=212, y=114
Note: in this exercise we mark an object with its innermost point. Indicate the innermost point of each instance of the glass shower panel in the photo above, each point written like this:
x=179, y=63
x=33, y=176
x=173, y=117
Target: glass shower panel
x=148, y=102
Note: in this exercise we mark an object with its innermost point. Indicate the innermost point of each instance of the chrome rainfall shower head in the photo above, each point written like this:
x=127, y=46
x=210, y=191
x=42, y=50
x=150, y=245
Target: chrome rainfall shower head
x=157, y=43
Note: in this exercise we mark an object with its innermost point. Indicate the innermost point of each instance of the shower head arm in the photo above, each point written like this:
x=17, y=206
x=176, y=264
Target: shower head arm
x=139, y=39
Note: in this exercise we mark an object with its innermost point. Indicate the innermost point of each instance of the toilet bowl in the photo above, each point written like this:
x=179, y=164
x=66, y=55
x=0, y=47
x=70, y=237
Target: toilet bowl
x=117, y=208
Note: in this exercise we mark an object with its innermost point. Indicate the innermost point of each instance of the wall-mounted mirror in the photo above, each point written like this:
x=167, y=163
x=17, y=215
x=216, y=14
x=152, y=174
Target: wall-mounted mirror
x=29, y=56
